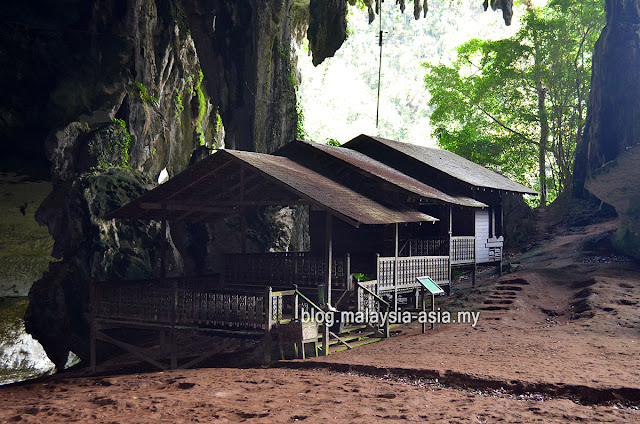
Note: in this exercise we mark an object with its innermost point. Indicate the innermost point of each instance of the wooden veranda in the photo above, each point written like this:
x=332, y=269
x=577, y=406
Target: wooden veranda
x=255, y=292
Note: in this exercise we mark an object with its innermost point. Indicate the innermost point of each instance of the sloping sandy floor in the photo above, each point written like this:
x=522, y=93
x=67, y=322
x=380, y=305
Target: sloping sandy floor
x=277, y=395
x=564, y=346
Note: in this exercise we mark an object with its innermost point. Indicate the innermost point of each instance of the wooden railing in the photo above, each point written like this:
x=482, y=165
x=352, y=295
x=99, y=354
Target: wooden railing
x=369, y=302
x=463, y=250
x=409, y=268
x=178, y=301
x=285, y=269
x=193, y=303
x=437, y=246
x=366, y=301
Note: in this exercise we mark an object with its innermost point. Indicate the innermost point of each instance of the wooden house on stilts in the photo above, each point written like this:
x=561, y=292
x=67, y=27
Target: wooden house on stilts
x=376, y=208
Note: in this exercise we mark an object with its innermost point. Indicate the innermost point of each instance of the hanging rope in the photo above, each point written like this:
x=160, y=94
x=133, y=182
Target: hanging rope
x=379, y=10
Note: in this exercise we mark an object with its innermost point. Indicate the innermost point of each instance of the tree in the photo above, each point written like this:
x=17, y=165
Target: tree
x=517, y=105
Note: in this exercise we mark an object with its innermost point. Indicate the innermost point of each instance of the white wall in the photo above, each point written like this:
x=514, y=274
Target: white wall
x=482, y=235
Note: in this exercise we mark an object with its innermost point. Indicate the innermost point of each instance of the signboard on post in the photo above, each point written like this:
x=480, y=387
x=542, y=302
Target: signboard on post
x=432, y=288
x=430, y=285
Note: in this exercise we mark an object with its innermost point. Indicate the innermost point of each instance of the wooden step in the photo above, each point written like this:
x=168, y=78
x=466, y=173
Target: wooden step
x=340, y=348
x=351, y=339
x=352, y=328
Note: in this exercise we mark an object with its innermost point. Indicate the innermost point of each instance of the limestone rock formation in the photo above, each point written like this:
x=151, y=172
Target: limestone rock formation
x=603, y=163
x=618, y=184
x=327, y=28
x=244, y=51
x=90, y=248
x=93, y=62
x=613, y=111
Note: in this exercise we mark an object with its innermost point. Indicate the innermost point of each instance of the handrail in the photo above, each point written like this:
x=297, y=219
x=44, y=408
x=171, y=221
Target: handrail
x=373, y=294
x=306, y=299
x=284, y=293
x=386, y=333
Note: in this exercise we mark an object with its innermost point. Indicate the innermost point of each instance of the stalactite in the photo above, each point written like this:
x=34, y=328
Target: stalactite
x=422, y=7
x=417, y=8
x=505, y=5
x=372, y=13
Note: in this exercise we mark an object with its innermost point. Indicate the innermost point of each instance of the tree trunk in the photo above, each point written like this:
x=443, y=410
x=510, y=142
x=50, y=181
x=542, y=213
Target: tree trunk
x=544, y=137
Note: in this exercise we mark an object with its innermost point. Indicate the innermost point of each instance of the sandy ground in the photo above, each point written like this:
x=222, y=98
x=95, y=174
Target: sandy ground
x=558, y=340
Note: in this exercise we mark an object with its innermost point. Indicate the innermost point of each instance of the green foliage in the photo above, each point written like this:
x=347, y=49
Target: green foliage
x=123, y=142
x=110, y=145
x=517, y=105
x=218, y=122
x=144, y=95
x=188, y=88
x=363, y=277
x=301, y=133
x=339, y=96
x=333, y=142
x=202, y=106
x=179, y=106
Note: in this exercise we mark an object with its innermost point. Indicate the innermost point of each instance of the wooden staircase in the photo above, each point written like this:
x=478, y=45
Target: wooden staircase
x=351, y=337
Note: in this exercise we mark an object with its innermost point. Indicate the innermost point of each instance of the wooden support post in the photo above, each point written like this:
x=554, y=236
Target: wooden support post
x=349, y=282
x=473, y=277
x=92, y=340
x=243, y=229
x=163, y=249
x=267, y=325
x=163, y=341
x=424, y=311
x=387, y=328
x=329, y=250
x=395, y=268
x=174, y=348
x=243, y=212
x=492, y=212
x=325, y=339
x=174, y=320
x=433, y=307
x=450, y=244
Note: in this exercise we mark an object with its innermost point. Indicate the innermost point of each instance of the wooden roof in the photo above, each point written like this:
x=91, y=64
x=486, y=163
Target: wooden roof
x=226, y=181
x=381, y=172
x=444, y=162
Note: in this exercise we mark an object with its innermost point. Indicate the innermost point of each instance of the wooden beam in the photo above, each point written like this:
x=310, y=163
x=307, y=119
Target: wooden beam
x=341, y=340
x=137, y=351
x=188, y=208
x=450, y=241
x=395, y=267
x=329, y=247
x=220, y=204
x=163, y=249
x=207, y=175
x=233, y=187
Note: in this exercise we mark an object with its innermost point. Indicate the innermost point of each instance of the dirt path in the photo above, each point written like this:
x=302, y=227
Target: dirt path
x=277, y=396
x=557, y=341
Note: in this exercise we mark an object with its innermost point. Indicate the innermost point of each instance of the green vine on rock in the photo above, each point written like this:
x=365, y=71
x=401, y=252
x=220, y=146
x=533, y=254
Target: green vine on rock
x=144, y=95
x=202, y=106
x=124, y=142
x=179, y=105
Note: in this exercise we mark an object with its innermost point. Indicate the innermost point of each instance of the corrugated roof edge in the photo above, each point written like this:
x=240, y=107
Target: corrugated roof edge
x=133, y=209
x=506, y=184
x=384, y=172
